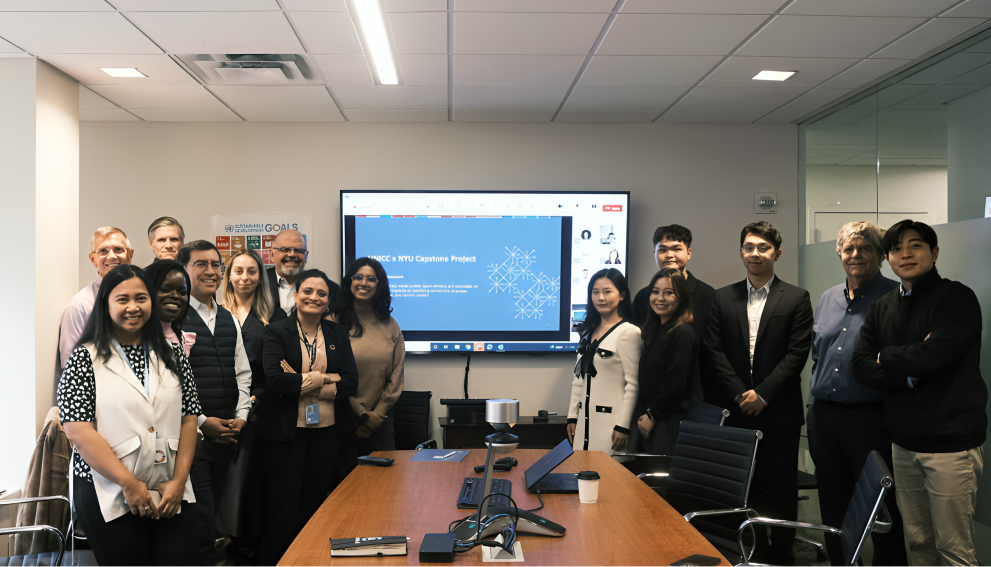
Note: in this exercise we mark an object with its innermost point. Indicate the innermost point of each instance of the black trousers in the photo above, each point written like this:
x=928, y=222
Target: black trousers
x=839, y=440
x=774, y=493
x=209, y=476
x=133, y=540
x=298, y=474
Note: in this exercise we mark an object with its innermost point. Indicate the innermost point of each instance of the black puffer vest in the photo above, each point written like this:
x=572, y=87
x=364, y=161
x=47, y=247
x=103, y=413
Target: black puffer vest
x=212, y=361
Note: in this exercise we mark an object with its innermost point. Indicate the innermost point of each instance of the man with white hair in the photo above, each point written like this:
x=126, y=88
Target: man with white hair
x=165, y=238
x=109, y=248
x=845, y=420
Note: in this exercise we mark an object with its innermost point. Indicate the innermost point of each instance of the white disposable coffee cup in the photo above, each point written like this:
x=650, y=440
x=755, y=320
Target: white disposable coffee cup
x=588, y=487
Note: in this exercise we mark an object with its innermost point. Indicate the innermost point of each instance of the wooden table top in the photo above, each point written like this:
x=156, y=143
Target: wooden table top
x=629, y=525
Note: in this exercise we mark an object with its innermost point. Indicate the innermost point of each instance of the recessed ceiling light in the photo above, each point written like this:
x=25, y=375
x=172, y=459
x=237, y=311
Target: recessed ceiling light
x=373, y=26
x=773, y=75
x=126, y=72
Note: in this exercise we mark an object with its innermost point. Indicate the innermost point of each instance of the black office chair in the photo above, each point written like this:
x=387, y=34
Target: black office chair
x=809, y=481
x=47, y=558
x=412, y=419
x=648, y=467
x=865, y=513
x=709, y=480
x=706, y=413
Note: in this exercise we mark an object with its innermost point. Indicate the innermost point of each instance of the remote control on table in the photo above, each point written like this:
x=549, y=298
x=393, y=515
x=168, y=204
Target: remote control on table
x=375, y=461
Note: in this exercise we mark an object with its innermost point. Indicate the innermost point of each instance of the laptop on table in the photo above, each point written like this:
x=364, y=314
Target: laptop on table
x=540, y=479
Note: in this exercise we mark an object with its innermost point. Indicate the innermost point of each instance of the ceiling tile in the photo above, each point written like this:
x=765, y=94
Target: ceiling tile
x=423, y=69
x=526, y=34
x=508, y=98
x=847, y=136
x=327, y=32
x=928, y=37
x=603, y=99
x=136, y=96
x=936, y=98
x=74, y=32
x=281, y=104
x=85, y=68
x=219, y=32
x=106, y=115
x=863, y=73
x=516, y=70
x=838, y=150
x=416, y=6
x=502, y=116
x=911, y=119
x=89, y=99
x=844, y=117
x=809, y=71
x=813, y=133
x=805, y=104
x=909, y=152
x=345, y=69
x=707, y=7
x=647, y=70
x=534, y=5
x=678, y=34
x=316, y=5
x=860, y=161
x=821, y=161
x=896, y=93
x=903, y=162
x=55, y=6
x=7, y=47
x=396, y=115
x=905, y=8
x=971, y=9
x=979, y=76
x=195, y=5
x=419, y=32
x=391, y=97
x=949, y=68
x=187, y=114
x=827, y=36
x=633, y=116
x=982, y=47
x=712, y=104
x=934, y=138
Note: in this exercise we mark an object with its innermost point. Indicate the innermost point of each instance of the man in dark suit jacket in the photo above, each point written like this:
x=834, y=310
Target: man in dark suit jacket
x=289, y=255
x=758, y=341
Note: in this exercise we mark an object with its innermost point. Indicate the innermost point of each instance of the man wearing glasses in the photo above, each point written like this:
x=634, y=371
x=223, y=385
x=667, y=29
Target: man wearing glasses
x=758, y=340
x=223, y=381
x=289, y=255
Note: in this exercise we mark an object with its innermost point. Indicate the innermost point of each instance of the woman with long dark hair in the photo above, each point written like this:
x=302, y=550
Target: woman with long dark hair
x=669, y=373
x=170, y=282
x=363, y=308
x=605, y=387
x=311, y=374
x=129, y=403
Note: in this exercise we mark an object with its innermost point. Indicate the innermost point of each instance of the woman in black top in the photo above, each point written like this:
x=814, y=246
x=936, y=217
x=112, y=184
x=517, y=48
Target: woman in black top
x=311, y=373
x=669, y=376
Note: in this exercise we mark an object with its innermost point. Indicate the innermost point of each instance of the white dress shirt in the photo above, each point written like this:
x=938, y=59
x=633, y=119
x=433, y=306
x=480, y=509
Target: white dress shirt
x=74, y=319
x=209, y=315
x=285, y=293
x=756, y=300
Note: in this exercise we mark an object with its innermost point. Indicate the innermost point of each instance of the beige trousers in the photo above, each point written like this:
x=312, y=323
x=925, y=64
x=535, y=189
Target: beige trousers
x=937, y=494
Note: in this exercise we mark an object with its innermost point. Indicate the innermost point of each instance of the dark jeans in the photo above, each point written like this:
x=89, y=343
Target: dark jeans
x=209, y=476
x=298, y=474
x=840, y=440
x=133, y=540
x=774, y=493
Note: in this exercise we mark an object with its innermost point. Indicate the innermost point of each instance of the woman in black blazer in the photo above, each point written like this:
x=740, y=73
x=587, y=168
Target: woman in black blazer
x=311, y=373
x=669, y=373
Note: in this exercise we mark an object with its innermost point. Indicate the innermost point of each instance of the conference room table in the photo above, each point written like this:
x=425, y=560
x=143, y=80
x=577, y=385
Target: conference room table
x=629, y=525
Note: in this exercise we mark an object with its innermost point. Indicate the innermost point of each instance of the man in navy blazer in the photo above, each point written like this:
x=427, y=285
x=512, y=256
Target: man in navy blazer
x=758, y=340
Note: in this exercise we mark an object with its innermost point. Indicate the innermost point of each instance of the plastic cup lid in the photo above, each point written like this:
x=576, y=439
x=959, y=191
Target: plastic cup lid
x=588, y=475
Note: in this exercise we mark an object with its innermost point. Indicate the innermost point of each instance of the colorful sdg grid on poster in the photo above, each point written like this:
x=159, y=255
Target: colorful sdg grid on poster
x=259, y=242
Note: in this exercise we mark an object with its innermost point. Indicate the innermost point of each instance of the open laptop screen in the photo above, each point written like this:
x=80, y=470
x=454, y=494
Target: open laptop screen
x=548, y=462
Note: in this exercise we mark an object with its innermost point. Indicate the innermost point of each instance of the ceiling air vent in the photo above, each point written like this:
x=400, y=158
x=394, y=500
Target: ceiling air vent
x=252, y=69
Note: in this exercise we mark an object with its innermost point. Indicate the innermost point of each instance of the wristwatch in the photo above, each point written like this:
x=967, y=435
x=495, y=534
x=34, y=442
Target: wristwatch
x=363, y=417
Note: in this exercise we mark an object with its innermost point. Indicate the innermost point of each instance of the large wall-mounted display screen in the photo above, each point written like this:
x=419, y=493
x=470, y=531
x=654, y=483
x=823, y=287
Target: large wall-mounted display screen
x=496, y=271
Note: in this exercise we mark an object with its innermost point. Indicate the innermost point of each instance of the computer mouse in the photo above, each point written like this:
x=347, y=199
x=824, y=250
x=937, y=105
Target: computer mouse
x=507, y=461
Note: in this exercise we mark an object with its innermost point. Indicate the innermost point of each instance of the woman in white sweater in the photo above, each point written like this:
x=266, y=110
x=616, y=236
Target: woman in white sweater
x=605, y=389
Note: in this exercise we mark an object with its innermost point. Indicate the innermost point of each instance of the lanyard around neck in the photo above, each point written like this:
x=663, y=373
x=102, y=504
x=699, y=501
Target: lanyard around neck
x=127, y=361
x=311, y=350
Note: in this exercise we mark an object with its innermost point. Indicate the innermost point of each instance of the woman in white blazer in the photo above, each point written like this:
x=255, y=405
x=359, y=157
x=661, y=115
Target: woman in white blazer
x=605, y=388
x=128, y=403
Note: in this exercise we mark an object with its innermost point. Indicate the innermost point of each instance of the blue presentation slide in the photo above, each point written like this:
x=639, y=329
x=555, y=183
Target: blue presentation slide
x=468, y=274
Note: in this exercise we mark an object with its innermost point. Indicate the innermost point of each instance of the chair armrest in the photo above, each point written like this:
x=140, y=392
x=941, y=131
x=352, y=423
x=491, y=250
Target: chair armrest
x=692, y=515
x=644, y=475
x=882, y=524
x=428, y=444
x=42, y=528
x=33, y=500
x=750, y=522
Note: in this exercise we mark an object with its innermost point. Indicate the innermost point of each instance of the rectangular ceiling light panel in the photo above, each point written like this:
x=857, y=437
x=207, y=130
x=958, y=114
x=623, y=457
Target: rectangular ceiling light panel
x=123, y=72
x=377, y=39
x=773, y=75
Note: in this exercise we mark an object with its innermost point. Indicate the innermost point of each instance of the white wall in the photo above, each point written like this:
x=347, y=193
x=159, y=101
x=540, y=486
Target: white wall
x=702, y=176
x=968, y=143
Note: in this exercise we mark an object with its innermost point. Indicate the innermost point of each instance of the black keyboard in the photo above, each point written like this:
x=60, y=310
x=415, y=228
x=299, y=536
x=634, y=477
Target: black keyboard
x=471, y=492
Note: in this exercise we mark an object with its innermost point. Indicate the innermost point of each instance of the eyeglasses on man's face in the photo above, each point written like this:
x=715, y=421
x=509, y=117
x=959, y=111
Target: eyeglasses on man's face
x=284, y=250
x=370, y=280
x=202, y=264
x=117, y=250
x=749, y=248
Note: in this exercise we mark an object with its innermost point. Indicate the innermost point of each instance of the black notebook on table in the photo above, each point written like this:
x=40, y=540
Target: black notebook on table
x=368, y=546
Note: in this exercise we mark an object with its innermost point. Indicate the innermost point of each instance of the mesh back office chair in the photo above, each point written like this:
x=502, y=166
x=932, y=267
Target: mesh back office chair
x=412, y=419
x=709, y=479
x=48, y=558
x=862, y=515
